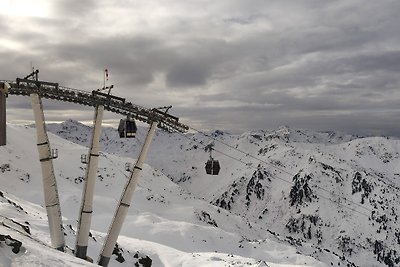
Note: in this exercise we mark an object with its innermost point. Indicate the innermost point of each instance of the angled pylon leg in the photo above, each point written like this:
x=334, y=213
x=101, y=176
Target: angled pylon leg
x=125, y=202
x=51, y=198
x=86, y=210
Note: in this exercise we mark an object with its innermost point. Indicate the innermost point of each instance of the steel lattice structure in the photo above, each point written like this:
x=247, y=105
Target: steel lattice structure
x=115, y=104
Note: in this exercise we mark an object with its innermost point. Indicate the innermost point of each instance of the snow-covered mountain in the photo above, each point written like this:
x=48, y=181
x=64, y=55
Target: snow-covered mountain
x=283, y=198
x=168, y=224
x=332, y=195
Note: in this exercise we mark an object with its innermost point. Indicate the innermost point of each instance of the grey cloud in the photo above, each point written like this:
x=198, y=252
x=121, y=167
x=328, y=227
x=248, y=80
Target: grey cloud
x=4, y=28
x=381, y=61
x=74, y=62
x=74, y=8
x=187, y=74
x=276, y=62
x=237, y=120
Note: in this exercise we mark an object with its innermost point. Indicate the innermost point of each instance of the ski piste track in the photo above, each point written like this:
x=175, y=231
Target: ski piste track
x=115, y=104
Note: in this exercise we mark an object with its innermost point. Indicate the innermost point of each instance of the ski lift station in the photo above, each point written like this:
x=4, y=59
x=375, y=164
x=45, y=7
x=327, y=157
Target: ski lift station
x=101, y=100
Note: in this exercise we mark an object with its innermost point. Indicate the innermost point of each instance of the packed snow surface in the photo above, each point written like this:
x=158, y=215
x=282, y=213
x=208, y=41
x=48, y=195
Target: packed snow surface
x=170, y=221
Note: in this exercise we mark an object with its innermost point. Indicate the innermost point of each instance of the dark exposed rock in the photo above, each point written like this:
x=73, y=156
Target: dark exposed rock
x=255, y=186
x=11, y=242
x=5, y=167
x=118, y=252
x=224, y=202
x=301, y=192
x=267, y=149
x=205, y=217
x=306, y=225
x=360, y=184
x=386, y=255
x=345, y=244
x=143, y=260
x=146, y=261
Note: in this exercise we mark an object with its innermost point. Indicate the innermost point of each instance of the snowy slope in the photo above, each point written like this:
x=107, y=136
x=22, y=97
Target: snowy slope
x=332, y=195
x=165, y=223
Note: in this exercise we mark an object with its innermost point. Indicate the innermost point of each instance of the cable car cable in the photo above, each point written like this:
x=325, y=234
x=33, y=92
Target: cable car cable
x=277, y=168
x=291, y=183
x=271, y=164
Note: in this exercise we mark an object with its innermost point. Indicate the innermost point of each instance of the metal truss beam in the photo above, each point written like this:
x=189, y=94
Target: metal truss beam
x=115, y=104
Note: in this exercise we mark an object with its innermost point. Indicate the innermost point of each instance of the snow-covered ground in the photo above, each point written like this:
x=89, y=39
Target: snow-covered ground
x=169, y=221
x=332, y=195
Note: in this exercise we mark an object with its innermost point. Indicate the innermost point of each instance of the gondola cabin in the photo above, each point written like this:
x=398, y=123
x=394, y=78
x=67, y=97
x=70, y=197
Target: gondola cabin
x=127, y=128
x=212, y=167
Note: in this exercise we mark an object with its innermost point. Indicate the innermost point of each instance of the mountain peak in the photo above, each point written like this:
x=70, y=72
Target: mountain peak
x=71, y=122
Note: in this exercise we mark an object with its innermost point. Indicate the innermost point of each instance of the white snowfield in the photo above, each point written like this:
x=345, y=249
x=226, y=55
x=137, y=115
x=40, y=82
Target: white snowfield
x=166, y=222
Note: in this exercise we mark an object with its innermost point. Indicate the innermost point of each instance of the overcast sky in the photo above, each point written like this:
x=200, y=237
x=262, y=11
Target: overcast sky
x=229, y=64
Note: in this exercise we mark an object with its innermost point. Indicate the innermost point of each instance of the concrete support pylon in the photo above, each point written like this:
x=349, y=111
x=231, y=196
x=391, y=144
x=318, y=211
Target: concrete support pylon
x=50, y=190
x=125, y=201
x=86, y=210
